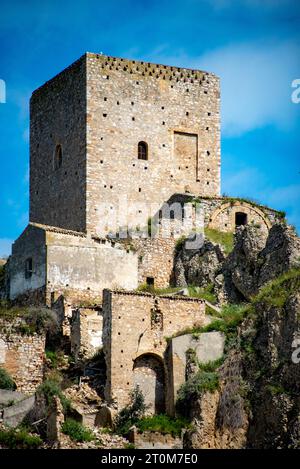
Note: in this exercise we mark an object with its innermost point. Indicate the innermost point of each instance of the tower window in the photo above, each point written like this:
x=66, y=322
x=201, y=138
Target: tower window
x=142, y=151
x=58, y=156
x=28, y=268
x=240, y=219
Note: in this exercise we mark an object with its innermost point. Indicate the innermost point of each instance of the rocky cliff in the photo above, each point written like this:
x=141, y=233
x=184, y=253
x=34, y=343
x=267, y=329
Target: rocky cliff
x=257, y=401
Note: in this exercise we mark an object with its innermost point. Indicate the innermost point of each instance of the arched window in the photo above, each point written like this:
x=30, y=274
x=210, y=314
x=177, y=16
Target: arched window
x=58, y=156
x=143, y=151
x=240, y=219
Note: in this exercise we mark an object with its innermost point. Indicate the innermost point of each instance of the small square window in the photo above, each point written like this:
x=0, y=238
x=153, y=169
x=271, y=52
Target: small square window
x=150, y=281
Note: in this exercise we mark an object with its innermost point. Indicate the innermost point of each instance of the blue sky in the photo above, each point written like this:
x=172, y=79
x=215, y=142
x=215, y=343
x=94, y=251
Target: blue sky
x=253, y=45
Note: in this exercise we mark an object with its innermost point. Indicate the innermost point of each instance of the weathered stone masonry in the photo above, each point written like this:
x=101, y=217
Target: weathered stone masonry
x=69, y=264
x=22, y=356
x=98, y=110
x=135, y=328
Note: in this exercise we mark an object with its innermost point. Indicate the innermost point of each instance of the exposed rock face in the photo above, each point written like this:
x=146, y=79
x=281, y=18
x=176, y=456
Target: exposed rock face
x=281, y=253
x=274, y=376
x=198, y=266
x=257, y=257
x=258, y=403
x=241, y=264
x=220, y=418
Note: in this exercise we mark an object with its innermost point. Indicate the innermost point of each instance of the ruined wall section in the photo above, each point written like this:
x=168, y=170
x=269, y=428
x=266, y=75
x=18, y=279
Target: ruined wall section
x=79, y=263
x=155, y=259
x=135, y=324
x=22, y=356
x=174, y=110
x=58, y=117
x=31, y=244
x=86, y=332
x=69, y=264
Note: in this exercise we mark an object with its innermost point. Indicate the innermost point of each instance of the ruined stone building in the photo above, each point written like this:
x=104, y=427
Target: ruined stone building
x=111, y=142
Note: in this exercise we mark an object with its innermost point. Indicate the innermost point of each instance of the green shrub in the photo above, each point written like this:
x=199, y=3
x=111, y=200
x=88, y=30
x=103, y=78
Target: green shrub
x=163, y=424
x=132, y=413
x=211, y=366
x=6, y=381
x=35, y=320
x=52, y=356
x=194, y=387
x=51, y=388
x=76, y=431
x=180, y=243
x=276, y=389
x=19, y=439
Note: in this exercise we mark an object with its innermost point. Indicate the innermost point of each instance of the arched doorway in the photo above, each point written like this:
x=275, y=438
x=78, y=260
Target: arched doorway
x=149, y=376
x=240, y=218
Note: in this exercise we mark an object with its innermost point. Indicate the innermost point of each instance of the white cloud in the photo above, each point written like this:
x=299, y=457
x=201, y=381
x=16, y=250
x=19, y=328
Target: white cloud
x=255, y=84
x=5, y=247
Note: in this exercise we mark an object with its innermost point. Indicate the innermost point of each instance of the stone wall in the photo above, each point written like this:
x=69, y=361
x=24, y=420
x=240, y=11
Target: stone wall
x=58, y=117
x=22, y=356
x=86, y=332
x=208, y=347
x=97, y=111
x=31, y=244
x=69, y=264
x=136, y=325
x=174, y=110
x=154, y=440
x=219, y=213
x=155, y=260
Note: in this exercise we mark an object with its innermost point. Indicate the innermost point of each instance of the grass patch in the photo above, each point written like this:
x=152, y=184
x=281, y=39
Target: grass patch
x=276, y=292
x=226, y=240
x=158, y=291
x=209, y=311
x=205, y=293
x=231, y=316
x=76, y=431
x=163, y=424
x=19, y=439
x=6, y=381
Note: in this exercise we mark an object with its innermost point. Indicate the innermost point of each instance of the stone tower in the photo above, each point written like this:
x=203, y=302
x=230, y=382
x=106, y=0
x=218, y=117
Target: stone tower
x=107, y=132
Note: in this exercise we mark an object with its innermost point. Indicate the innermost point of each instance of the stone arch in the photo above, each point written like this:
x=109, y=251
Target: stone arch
x=223, y=218
x=149, y=376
